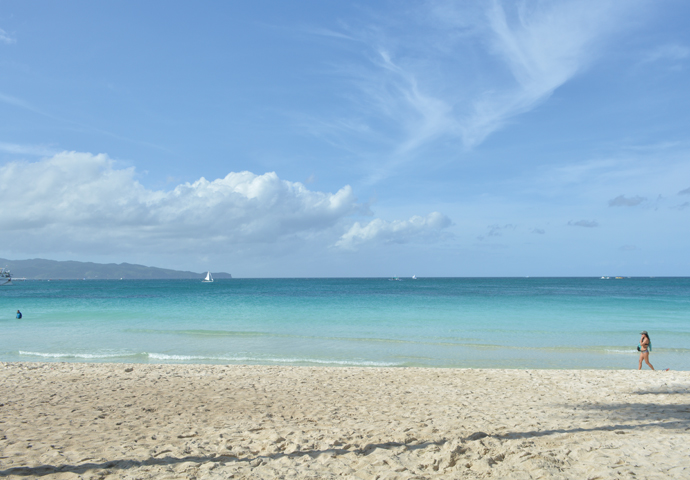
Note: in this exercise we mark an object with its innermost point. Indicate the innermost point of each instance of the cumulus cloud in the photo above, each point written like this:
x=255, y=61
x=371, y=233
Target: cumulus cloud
x=82, y=201
x=622, y=201
x=584, y=223
x=399, y=231
x=685, y=192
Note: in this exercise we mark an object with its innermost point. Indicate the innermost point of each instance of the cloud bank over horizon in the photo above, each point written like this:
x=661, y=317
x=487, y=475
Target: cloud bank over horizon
x=77, y=201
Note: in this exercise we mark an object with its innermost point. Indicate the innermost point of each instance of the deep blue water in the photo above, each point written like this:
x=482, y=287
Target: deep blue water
x=436, y=322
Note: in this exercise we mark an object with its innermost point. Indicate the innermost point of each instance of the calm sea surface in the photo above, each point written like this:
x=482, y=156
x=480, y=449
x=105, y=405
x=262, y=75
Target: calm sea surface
x=431, y=322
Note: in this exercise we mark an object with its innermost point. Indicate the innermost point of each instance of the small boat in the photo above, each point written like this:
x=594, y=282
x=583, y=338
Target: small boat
x=414, y=277
x=208, y=279
x=395, y=279
x=5, y=276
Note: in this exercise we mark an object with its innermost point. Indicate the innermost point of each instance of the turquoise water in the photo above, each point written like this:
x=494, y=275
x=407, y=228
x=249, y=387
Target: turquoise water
x=431, y=322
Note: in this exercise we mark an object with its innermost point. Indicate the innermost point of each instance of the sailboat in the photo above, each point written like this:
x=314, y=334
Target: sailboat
x=208, y=279
x=414, y=277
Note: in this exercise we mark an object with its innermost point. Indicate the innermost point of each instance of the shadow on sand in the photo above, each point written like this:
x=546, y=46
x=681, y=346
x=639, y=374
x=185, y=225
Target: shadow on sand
x=640, y=415
x=122, y=464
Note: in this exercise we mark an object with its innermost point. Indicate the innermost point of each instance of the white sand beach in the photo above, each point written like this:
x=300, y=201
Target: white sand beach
x=103, y=421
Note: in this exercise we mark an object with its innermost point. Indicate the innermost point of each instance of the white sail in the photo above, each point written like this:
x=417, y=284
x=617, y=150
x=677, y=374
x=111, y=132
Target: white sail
x=209, y=277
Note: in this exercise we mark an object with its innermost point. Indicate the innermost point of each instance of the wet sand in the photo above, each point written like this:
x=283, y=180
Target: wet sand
x=67, y=420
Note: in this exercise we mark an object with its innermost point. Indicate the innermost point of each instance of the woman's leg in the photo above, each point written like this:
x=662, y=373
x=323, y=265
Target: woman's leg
x=646, y=359
x=639, y=367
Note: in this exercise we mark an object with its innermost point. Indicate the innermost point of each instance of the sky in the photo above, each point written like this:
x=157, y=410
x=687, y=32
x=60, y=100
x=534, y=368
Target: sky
x=348, y=139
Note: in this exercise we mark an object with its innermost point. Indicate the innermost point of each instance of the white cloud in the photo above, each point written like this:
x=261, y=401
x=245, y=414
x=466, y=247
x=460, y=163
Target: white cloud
x=6, y=38
x=74, y=201
x=543, y=45
x=584, y=223
x=398, y=231
x=463, y=69
x=670, y=52
x=623, y=201
x=37, y=150
x=497, y=230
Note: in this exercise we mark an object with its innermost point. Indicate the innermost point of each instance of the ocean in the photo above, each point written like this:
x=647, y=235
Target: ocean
x=525, y=323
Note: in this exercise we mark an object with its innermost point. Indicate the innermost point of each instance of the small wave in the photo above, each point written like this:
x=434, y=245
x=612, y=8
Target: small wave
x=89, y=356
x=616, y=351
x=163, y=356
x=349, y=363
x=291, y=361
x=204, y=333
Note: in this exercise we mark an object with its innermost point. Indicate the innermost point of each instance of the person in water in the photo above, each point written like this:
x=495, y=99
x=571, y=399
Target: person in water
x=645, y=347
x=19, y=314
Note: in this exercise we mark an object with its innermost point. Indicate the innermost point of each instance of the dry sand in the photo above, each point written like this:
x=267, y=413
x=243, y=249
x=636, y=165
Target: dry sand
x=70, y=421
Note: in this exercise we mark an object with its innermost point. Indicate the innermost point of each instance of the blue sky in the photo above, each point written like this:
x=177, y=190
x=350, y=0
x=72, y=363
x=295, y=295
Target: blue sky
x=320, y=138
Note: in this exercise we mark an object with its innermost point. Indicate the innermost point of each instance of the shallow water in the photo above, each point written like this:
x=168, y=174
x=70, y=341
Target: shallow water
x=435, y=322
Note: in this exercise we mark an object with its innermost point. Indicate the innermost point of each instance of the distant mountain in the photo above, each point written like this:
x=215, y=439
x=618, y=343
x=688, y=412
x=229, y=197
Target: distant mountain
x=41, y=269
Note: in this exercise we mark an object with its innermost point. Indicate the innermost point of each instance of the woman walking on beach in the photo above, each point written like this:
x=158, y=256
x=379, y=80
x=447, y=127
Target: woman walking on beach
x=645, y=347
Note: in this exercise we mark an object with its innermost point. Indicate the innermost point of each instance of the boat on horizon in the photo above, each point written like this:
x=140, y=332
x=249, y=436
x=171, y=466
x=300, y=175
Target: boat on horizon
x=208, y=279
x=5, y=276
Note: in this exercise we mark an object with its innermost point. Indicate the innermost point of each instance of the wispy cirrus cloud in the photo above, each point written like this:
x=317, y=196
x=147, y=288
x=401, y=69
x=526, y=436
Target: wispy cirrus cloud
x=37, y=150
x=672, y=52
x=543, y=45
x=6, y=38
x=20, y=103
x=462, y=70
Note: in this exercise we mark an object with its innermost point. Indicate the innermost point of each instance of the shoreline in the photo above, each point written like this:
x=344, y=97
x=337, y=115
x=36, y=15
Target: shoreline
x=117, y=420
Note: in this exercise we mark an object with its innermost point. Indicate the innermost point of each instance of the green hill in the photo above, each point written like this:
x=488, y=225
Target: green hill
x=41, y=269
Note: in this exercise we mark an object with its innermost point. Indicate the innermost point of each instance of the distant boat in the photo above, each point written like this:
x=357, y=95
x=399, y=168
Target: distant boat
x=395, y=279
x=604, y=278
x=208, y=278
x=5, y=276
x=414, y=277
